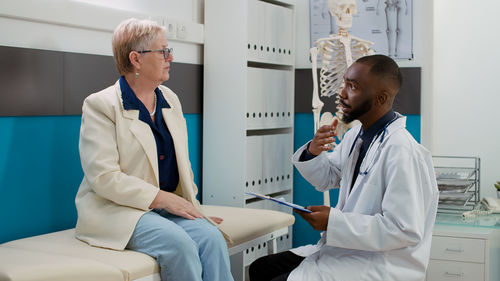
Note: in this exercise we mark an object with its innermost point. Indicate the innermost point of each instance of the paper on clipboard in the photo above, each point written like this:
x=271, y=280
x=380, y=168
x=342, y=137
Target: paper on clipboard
x=279, y=201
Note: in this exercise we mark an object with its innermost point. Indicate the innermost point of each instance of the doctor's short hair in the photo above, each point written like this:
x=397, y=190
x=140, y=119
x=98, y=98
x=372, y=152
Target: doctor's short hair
x=133, y=35
x=385, y=68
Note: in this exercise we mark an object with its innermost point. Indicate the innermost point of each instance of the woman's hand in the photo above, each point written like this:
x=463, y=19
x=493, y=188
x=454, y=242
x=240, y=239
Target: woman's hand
x=217, y=220
x=176, y=205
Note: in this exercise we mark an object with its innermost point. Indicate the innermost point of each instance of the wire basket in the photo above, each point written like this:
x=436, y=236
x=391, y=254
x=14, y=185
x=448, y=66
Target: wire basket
x=458, y=181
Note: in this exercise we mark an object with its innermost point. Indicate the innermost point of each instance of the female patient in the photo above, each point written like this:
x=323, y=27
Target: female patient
x=138, y=191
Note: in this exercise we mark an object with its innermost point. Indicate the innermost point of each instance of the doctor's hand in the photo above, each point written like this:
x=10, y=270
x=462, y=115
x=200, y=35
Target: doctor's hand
x=323, y=138
x=318, y=219
x=176, y=205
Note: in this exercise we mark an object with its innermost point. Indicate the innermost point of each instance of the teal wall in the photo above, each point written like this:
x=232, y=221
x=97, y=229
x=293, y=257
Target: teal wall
x=40, y=173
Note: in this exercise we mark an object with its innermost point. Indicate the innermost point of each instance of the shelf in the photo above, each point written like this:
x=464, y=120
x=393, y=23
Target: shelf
x=455, y=186
x=458, y=183
x=268, y=65
x=460, y=199
x=248, y=108
x=454, y=173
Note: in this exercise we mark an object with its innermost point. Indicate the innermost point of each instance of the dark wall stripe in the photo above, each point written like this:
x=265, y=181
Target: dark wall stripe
x=408, y=99
x=406, y=102
x=30, y=82
x=186, y=80
x=83, y=75
x=40, y=82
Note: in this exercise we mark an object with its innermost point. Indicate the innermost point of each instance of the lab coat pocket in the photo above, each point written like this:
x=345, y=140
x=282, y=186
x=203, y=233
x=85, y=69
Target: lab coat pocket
x=350, y=264
x=365, y=197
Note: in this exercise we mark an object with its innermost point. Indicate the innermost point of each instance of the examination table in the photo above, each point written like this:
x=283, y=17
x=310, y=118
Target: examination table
x=59, y=256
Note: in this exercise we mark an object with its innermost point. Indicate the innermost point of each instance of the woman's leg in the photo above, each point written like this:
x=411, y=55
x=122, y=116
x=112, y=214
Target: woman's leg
x=175, y=251
x=212, y=247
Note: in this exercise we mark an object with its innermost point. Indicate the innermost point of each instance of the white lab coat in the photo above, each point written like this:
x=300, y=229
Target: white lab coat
x=382, y=229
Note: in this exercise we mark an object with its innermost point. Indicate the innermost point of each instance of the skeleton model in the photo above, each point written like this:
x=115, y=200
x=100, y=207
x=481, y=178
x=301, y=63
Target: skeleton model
x=337, y=53
x=392, y=19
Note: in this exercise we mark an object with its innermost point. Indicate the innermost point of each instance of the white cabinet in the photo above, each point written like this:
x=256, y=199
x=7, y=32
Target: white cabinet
x=248, y=101
x=248, y=104
x=269, y=102
x=441, y=270
x=464, y=253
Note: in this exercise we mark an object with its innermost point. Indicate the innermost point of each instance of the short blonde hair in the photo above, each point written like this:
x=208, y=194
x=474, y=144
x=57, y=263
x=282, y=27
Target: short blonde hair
x=133, y=35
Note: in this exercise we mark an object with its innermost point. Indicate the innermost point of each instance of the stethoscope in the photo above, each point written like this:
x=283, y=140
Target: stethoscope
x=380, y=134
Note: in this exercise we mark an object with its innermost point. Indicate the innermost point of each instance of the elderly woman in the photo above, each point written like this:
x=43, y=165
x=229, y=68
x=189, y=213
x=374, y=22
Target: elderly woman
x=138, y=191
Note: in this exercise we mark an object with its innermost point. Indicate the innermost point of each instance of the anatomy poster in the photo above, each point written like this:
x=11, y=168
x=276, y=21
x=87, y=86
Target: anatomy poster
x=387, y=23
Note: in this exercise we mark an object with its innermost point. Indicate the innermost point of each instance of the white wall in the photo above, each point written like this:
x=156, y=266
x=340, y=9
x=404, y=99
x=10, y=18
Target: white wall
x=465, y=102
x=85, y=26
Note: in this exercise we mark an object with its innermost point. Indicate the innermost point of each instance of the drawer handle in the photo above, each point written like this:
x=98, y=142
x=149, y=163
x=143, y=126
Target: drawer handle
x=457, y=275
x=454, y=250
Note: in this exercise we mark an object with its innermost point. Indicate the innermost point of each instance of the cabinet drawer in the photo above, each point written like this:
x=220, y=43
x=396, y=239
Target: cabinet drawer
x=458, y=249
x=454, y=271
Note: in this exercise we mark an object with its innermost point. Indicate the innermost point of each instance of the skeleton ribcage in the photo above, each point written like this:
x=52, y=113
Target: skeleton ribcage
x=334, y=64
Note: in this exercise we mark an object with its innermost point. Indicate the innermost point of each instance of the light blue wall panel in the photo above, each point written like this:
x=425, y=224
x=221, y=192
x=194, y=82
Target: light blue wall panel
x=40, y=172
x=195, y=136
x=303, y=192
x=413, y=126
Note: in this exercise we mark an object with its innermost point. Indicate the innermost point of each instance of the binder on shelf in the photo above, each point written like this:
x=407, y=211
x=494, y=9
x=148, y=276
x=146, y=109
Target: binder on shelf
x=253, y=179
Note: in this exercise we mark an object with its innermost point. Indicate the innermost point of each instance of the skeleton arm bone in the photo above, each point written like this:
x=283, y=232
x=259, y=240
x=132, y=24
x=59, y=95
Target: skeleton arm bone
x=317, y=104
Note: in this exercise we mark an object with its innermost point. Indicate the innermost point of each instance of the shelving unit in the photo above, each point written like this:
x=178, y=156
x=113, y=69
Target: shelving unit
x=458, y=181
x=249, y=58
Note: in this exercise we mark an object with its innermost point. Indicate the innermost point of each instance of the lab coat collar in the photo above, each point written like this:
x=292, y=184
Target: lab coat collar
x=399, y=123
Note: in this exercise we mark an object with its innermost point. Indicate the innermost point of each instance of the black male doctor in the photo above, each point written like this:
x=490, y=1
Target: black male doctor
x=381, y=228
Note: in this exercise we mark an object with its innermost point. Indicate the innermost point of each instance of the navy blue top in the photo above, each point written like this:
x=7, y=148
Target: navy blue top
x=367, y=138
x=167, y=162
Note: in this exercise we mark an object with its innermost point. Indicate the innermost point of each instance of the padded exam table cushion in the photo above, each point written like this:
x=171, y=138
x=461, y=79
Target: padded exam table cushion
x=132, y=265
x=21, y=265
x=60, y=256
x=244, y=224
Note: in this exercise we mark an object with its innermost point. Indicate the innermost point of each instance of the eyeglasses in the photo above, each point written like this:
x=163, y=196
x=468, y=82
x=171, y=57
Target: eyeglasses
x=166, y=52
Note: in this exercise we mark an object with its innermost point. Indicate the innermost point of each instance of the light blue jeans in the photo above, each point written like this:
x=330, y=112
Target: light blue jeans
x=186, y=250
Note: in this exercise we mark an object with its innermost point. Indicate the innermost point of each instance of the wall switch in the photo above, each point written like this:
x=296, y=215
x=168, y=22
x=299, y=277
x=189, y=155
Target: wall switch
x=181, y=31
x=171, y=29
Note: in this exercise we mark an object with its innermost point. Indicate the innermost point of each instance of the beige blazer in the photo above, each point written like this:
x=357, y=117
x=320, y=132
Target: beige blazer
x=120, y=165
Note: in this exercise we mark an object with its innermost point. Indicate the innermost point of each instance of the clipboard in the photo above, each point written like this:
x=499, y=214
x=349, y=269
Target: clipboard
x=282, y=202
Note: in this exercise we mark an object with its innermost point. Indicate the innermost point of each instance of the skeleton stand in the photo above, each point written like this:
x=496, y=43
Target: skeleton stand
x=337, y=54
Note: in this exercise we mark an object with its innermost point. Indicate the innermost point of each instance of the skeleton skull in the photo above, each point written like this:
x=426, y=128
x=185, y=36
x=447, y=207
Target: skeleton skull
x=342, y=10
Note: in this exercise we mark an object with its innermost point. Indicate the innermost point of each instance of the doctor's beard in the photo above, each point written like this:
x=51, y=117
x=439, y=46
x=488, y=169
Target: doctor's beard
x=357, y=112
